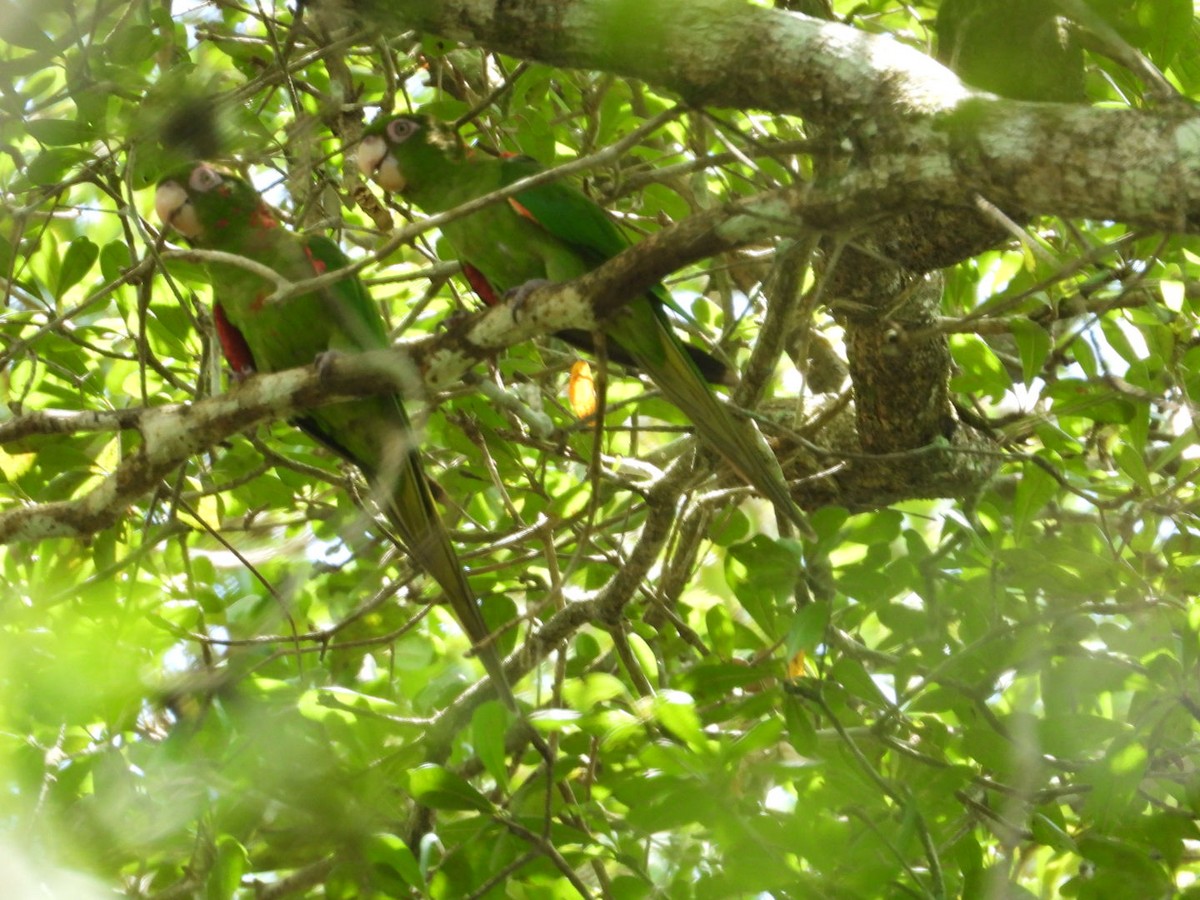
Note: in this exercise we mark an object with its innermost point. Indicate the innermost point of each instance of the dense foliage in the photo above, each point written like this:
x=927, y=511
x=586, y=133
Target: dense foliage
x=226, y=690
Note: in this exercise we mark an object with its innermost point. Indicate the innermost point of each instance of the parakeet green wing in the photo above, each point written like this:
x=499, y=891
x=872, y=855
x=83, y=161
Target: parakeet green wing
x=218, y=211
x=643, y=329
x=554, y=232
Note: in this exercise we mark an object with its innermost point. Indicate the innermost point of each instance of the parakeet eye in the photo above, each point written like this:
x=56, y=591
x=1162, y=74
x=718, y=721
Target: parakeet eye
x=204, y=178
x=400, y=130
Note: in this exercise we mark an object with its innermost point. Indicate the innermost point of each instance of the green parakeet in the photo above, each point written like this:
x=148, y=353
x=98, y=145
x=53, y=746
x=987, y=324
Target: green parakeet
x=217, y=211
x=1015, y=48
x=553, y=232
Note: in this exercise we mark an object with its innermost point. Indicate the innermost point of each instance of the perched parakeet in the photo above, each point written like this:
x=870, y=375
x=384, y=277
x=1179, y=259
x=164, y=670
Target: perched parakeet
x=992, y=45
x=218, y=211
x=553, y=232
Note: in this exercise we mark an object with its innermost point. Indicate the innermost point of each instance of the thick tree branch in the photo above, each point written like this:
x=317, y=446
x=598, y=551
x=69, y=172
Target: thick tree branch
x=925, y=144
x=172, y=434
x=917, y=135
x=710, y=52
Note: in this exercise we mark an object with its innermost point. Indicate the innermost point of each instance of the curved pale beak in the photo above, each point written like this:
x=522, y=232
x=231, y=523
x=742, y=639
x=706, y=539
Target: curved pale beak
x=378, y=164
x=175, y=209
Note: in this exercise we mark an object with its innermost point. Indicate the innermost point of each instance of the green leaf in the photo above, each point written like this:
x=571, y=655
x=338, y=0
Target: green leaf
x=808, y=628
x=49, y=166
x=728, y=526
x=536, y=138
x=981, y=371
x=497, y=613
x=6, y=256
x=225, y=877
x=1118, y=340
x=77, y=261
x=763, y=575
x=1048, y=833
x=19, y=27
x=59, y=132
x=719, y=625
x=880, y=527
x=676, y=712
x=1122, y=868
x=1077, y=398
x=1133, y=464
x=489, y=725
x=765, y=735
x=853, y=676
x=1071, y=734
x=669, y=803
x=1167, y=25
x=801, y=733
x=114, y=259
x=132, y=44
x=1174, y=294
x=391, y=858
x=643, y=654
x=1115, y=780
x=716, y=681
x=594, y=689
x=1033, y=345
x=1035, y=489
x=438, y=788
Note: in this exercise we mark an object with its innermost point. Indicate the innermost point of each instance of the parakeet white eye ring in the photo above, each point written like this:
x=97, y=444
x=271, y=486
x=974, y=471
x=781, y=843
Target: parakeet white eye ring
x=400, y=130
x=204, y=178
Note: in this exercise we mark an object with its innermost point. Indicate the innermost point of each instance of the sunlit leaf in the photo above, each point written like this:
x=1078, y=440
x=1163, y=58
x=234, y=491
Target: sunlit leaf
x=78, y=259
x=438, y=788
x=57, y=132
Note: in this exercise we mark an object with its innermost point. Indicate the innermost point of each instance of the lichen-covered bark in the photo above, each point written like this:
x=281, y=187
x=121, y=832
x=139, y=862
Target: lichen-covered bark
x=173, y=434
x=912, y=134
x=919, y=159
x=914, y=158
x=710, y=52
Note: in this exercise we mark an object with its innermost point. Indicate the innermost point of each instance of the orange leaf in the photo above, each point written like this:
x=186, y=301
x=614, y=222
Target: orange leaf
x=581, y=390
x=795, y=666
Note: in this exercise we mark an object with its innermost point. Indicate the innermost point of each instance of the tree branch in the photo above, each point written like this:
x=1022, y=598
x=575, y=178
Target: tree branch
x=917, y=136
x=710, y=52
x=172, y=434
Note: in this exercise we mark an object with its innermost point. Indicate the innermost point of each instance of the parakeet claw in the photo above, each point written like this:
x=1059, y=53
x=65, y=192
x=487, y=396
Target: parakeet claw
x=323, y=362
x=452, y=319
x=516, y=297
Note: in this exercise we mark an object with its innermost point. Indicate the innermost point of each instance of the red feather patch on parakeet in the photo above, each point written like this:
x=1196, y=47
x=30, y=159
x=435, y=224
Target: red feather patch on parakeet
x=552, y=232
x=262, y=332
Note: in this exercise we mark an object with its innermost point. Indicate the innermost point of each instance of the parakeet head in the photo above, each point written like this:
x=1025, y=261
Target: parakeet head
x=395, y=152
x=202, y=202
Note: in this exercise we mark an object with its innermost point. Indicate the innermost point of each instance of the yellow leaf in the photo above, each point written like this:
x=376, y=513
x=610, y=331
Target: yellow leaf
x=208, y=511
x=581, y=390
x=795, y=666
x=14, y=465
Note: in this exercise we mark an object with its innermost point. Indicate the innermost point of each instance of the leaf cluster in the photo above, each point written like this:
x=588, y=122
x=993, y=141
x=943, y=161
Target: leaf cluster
x=228, y=693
